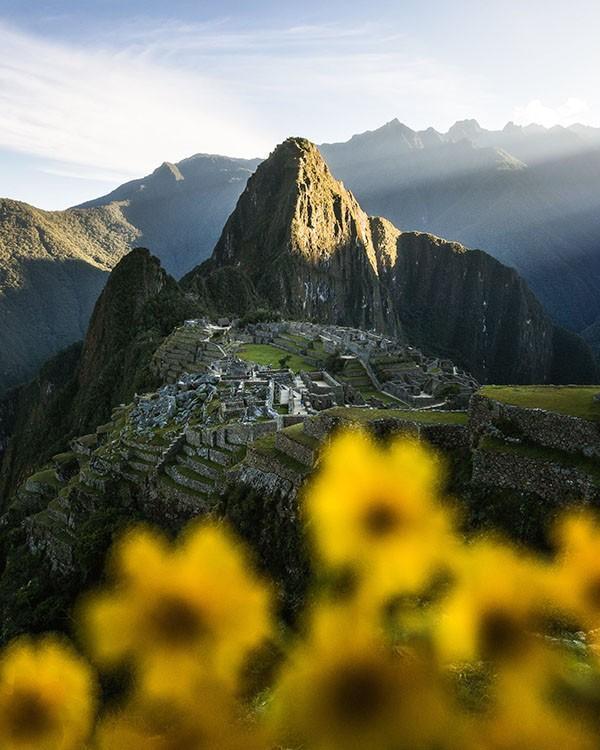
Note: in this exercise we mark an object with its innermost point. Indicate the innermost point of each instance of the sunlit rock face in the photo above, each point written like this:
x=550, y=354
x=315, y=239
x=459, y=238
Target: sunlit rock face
x=298, y=242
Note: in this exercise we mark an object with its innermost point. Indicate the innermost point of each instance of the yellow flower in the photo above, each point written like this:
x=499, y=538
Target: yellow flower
x=47, y=696
x=178, y=611
x=377, y=509
x=527, y=711
x=343, y=689
x=212, y=721
x=576, y=577
x=497, y=602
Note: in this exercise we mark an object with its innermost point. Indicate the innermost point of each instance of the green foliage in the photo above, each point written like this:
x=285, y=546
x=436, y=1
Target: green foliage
x=260, y=315
x=77, y=390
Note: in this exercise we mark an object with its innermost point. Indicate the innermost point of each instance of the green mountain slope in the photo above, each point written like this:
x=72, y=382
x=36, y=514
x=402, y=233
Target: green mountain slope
x=53, y=265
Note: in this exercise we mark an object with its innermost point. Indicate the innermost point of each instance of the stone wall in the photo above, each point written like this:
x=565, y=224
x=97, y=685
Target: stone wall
x=244, y=433
x=288, y=479
x=298, y=451
x=442, y=436
x=545, y=428
x=549, y=480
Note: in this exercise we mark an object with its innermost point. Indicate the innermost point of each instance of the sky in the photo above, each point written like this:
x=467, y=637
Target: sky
x=97, y=92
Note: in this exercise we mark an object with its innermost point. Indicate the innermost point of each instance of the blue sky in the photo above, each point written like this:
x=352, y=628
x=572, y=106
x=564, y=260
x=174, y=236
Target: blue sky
x=96, y=92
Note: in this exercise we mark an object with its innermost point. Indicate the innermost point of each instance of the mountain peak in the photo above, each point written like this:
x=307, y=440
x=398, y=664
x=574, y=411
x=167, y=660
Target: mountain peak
x=469, y=128
x=395, y=124
x=291, y=203
x=168, y=170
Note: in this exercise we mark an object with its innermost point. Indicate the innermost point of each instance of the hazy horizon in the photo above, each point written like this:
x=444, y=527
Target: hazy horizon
x=97, y=94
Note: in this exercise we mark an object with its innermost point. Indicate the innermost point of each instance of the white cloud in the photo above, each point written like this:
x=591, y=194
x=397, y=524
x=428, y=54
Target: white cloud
x=120, y=112
x=572, y=110
x=149, y=94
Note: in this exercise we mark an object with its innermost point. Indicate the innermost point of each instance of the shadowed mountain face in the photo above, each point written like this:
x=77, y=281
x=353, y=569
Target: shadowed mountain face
x=528, y=196
x=53, y=265
x=180, y=209
x=298, y=242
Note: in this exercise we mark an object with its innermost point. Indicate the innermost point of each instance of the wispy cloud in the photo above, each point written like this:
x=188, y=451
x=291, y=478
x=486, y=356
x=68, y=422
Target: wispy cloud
x=111, y=110
x=151, y=93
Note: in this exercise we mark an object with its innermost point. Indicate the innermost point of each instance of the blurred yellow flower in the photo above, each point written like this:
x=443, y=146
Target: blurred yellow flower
x=526, y=710
x=377, y=509
x=212, y=721
x=343, y=689
x=492, y=612
x=47, y=696
x=180, y=611
x=576, y=577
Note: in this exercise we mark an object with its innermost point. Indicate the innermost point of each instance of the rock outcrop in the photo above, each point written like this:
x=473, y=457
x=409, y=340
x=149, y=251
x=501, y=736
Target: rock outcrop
x=76, y=391
x=299, y=243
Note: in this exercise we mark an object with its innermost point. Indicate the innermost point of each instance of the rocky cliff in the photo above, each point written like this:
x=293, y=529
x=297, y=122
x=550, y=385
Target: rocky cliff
x=299, y=243
x=76, y=390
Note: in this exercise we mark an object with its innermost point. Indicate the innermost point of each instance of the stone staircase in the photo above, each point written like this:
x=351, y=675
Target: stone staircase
x=354, y=373
x=196, y=472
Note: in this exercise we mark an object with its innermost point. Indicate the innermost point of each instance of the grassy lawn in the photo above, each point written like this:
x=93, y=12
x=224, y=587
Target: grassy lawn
x=576, y=401
x=265, y=354
x=358, y=414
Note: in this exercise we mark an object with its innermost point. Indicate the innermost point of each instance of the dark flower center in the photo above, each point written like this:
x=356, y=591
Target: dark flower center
x=381, y=519
x=176, y=621
x=28, y=715
x=358, y=693
x=500, y=634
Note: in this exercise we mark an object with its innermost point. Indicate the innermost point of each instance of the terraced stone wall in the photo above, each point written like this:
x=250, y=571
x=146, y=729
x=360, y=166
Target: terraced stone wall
x=545, y=428
x=552, y=481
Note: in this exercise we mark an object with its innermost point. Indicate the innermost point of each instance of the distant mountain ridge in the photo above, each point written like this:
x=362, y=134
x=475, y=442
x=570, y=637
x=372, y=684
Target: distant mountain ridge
x=54, y=264
x=299, y=243
x=529, y=196
x=504, y=191
x=180, y=209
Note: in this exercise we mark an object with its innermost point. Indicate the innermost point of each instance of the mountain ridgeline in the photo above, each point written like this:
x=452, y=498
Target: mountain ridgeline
x=54, y=264
x=299, y=243
x=530, y=196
